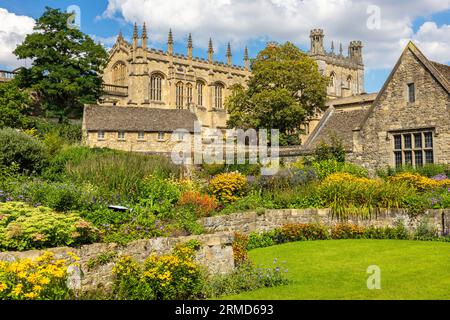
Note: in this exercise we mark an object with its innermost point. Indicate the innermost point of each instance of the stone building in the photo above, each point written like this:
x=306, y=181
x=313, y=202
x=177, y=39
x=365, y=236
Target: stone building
x=406, y=123
x=163, y=82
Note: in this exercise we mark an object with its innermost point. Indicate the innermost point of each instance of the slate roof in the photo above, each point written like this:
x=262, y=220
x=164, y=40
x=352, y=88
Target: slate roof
x=337, y=123
x=135, y=119
x=443, y=69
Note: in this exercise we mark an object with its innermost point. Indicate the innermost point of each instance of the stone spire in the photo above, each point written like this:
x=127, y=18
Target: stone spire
x=120, y=36
x=332, y=47
x=341, y=50
x=170, y=43
x=210, y=51
x=190, y=46
x=246, y=60
x=135, y=36
x=144, y=36
x=229, y=55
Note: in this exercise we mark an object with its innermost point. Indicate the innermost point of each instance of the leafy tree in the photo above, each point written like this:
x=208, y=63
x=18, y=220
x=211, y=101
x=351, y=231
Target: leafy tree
x=13, y=105
x=66, y=66
x=330, y=151
x=285, y=89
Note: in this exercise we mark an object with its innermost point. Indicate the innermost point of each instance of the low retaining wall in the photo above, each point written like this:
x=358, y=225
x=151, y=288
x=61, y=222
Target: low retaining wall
x=252, y=222
x=216, y=254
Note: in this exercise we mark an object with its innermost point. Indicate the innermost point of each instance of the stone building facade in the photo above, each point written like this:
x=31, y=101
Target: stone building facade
x=406, y=123
x=137, y=75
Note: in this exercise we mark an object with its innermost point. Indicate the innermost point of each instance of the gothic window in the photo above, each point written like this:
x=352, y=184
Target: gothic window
x=189, y=94
x=349, y=82
x=332, y=79
x=413, y=149
x=119, y=74
x=200, y=86
x=218, y=91
x=179, y=95
x=156, y=87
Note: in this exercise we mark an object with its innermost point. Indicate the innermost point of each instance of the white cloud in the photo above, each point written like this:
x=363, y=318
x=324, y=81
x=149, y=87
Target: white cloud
x=13, y=29
x=241, y=21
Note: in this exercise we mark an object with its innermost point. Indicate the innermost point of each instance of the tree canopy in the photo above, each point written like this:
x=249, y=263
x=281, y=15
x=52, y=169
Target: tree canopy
x=66, y=65
x=285, y=89
x=14, y=104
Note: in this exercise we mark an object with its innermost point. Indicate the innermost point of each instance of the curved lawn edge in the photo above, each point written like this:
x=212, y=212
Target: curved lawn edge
x=337, y=269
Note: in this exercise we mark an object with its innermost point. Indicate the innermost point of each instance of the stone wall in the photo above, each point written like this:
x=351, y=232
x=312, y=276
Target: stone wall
x=216, y=254
x=272, y=219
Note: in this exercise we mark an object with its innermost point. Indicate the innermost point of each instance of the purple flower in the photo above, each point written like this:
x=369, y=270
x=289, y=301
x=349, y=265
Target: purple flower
x=38, y=204
x=440, y=177
x=20, y=197
x=9, y=199
x=277, y=269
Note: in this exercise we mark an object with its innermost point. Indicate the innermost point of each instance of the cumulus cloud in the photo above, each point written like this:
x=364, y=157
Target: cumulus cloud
x=241, y=21
x=13, y=30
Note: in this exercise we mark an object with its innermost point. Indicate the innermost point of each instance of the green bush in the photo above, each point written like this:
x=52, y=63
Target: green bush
x=69, y=133
x=159, y=194
x=61, y=197
x=328, y=167
x=253, y=201
x=23, y=228
x=302, y=232
x=246, y=277
x=333, y=151
x=428, y=170
x=262, y=240
x=17, y=147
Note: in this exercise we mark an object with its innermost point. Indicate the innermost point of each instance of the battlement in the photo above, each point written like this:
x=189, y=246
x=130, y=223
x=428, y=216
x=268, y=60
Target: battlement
x=317, y=32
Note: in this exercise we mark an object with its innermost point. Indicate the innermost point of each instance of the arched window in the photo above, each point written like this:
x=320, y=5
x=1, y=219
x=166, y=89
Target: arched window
x=189, y=94
x=119, y=74
x=332, y=80
x=179, y=95
x=218, y=96
x=200, y=86
x=156, y=87
x=349, y=82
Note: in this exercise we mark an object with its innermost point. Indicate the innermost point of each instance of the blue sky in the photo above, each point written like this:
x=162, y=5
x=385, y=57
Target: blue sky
x=253, y=23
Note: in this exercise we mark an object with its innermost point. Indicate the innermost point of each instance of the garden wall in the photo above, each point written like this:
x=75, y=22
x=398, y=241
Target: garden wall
x=216, y=254
x=271, y=219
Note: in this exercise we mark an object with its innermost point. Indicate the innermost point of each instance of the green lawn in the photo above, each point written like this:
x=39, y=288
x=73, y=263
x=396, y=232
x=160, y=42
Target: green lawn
x=338, y=270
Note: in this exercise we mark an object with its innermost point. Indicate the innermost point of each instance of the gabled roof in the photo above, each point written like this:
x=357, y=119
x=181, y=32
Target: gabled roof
x=438, y=71
x=135, y=119
x=337, y=123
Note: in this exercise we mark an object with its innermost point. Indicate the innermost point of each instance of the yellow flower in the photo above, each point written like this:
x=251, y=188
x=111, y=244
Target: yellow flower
x=3, y=287
x=37, y=288
x=44, y=281
x=18, y=289
x=31, y=295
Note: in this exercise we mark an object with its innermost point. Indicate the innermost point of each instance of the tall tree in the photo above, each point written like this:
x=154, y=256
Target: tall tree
x=66, y=65
x=285, y=88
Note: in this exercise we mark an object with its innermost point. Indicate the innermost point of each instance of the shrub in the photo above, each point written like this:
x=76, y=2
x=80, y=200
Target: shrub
x=167, y=277
x=262, y=240
x=17, y=147
x=253, y=201
x=240, y=251
x=42, y=279
x=333, y=151
x=421, y=183
x=246, y=277
x=302, y=232
x=159, y=194
x=202, y=204
x=69, y=133
x=347, y=231
x=61, y=197
x=23, y=228
x=228, y=187
x=328, y=167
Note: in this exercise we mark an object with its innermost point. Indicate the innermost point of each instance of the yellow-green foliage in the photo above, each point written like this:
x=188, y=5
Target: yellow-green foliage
x=228, y=187
x=419, y=182
x=350, y=195
x=165, y=277
x=41, y=279
x=23, y=227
